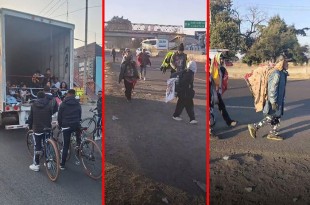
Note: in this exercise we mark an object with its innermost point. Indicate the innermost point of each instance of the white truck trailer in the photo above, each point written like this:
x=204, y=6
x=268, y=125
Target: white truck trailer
x=29, y=43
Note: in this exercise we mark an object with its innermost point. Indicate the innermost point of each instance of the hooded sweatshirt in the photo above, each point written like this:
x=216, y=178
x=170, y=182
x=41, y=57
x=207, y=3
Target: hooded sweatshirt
x=40, y=115
x=52, y=102
x=69, y=113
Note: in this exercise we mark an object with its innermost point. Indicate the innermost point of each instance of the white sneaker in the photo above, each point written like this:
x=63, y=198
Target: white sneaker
x=97, y=138
x=193, y=122
x=177, y=118
x=34, y=167
x=144, y=78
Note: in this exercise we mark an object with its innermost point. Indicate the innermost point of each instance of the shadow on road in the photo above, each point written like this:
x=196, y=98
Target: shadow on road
x=146, y=140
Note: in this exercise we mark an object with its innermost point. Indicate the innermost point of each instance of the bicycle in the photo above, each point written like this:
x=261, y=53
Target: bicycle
x=88, y=152
x=49, y=152
x=90, y=123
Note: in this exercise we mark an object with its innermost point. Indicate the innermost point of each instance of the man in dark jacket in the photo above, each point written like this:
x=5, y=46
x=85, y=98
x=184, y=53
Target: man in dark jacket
x=69, y=118
x=113, y=54
x=51, y=99
x=40, y=117
x=178, y=60
x=185, y=93
x=129, y=74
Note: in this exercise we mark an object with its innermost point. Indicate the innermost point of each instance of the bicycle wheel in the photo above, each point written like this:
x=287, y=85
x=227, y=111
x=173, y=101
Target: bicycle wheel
x=90, y=124
x=30, y=142
x=51, y=160
x=60, y=145
x=91, y=157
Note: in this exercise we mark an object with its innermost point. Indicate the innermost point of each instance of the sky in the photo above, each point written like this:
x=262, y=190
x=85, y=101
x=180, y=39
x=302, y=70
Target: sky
x=294, y=12
x=165, y=12
x=57, y=9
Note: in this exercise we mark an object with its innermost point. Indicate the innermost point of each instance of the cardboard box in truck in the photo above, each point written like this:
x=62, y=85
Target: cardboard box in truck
x=30, y=43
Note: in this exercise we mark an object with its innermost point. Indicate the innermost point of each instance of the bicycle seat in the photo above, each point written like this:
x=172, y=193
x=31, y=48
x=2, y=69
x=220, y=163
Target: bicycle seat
x=47, y=129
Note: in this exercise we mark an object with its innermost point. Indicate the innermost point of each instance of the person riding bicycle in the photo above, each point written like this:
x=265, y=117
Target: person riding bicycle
x=99, y=110
x=40, y=118
x=69, y=119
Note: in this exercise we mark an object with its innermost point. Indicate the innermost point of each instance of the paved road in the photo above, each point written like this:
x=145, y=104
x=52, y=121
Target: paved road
x=169, y=152
x=20, y=185
x=295, y=123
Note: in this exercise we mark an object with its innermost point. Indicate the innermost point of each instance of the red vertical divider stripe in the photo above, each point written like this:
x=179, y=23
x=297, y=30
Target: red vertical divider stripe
x=103, y=106
x=207, y=47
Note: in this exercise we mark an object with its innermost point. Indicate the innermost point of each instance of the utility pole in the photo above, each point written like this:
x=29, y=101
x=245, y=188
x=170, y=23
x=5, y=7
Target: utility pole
x=85, y=49
x=67, y=10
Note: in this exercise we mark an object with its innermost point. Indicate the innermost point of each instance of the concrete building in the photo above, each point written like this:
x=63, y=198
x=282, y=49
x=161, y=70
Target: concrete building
x=93, y=53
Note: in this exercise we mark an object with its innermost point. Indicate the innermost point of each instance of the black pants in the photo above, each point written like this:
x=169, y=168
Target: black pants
x=186, y=103
x=113, y=58
x=67, y=137
x=37, y=148
x=222, y=109
x=128, y=89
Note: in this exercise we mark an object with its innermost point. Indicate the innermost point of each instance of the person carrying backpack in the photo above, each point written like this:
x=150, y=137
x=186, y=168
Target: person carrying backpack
x=185, y=92
x=143, y=60
x=274, y=104
x=128, y=73
x=219, y=75
x=166, y=62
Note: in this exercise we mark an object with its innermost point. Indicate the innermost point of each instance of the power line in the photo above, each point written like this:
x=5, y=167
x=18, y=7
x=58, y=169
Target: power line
x=274, y=6
x=46, y=6
x=52, y=7
x=76, y=11
x=58, y=8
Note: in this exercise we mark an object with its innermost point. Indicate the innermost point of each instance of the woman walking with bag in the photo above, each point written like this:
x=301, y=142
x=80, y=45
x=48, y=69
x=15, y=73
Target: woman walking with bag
x=185, y=92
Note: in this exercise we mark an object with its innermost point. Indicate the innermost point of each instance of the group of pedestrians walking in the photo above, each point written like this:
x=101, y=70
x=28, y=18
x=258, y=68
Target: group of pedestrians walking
x=181, y=68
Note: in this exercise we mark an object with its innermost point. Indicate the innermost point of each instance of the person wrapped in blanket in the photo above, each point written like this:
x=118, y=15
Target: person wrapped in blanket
x=273, y=108
x=218, y=73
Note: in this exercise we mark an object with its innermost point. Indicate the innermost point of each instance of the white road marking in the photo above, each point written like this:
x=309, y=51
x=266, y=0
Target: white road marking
x=200, y=79
x=240, y=107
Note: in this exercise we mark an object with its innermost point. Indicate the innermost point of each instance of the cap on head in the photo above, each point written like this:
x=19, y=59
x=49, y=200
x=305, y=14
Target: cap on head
x=181, y=47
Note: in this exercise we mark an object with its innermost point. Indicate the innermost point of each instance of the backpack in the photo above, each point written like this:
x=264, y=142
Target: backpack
x=166, y=62
x=224, y=79
x=129, y=70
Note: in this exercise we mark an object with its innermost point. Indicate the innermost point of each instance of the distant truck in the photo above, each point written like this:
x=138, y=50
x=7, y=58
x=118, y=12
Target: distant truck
x=158, y=44
x=29, y=43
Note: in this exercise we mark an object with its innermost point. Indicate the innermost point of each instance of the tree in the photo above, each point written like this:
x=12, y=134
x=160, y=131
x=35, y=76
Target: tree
x=274, y=39
x=254, y=19
x=118, y=24
x=224, y=29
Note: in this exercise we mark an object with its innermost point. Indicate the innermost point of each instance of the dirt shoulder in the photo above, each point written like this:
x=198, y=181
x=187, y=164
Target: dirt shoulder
x=150, y=157
x=256, y=178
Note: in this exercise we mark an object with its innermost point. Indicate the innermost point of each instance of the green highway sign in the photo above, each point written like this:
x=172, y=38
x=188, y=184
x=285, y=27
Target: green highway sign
x=194, y=24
